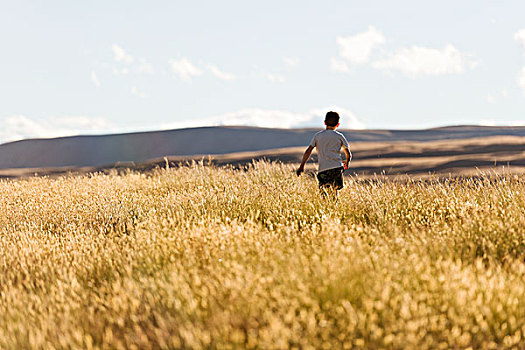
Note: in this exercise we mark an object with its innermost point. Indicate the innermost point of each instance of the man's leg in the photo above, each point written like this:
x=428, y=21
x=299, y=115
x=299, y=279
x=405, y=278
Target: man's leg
x=329, y=192
x=330, y=182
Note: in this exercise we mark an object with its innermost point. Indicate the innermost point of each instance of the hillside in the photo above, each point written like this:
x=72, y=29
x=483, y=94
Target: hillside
x=458, y=150
x=97, y=150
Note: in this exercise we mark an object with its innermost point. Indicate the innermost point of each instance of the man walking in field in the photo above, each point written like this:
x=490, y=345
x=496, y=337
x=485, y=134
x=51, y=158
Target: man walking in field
x=328, y=143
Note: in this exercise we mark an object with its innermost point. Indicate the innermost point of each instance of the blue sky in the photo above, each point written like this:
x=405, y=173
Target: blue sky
x=71, y=67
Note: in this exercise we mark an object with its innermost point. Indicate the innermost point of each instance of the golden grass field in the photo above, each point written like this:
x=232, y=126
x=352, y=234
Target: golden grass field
x=206, y=257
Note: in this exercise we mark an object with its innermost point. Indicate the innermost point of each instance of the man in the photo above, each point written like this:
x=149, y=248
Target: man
x=329, y=143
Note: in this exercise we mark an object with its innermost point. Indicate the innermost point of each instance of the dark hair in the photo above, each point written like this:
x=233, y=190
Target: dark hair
x=331, y=119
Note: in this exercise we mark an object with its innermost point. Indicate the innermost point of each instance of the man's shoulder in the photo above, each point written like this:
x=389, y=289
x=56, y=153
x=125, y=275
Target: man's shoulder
x=329, y=134
x=341, y=135
x=318, y=133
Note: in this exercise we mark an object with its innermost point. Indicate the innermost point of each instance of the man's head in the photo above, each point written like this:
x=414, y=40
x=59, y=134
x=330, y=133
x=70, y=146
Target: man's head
x=331, y=119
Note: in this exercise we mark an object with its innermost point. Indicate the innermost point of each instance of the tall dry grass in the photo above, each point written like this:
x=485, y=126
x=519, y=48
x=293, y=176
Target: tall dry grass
x=204, y=257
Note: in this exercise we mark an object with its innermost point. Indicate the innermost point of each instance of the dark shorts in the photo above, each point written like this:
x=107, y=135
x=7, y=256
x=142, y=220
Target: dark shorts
x=331, y=177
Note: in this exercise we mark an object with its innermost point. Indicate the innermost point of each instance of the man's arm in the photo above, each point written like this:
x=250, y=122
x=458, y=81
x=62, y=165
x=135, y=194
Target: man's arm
x=306, y=155
x=348, y=157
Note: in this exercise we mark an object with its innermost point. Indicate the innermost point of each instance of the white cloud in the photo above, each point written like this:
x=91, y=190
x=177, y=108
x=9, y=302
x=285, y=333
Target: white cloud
x=417, y=60
x=291, y=61
x=120, y=55
x=412, y=61
x=144, y=66
x=275, y=78
x=273, y=119
x=495, y=96
x=19, y=127
x=492, y=122
x=119, y=71
x=358, y=48
x=338, y=65
x=219, y=73
x=487, y=122
x=94, y=79
x=184, y=69
x=521, y=79
x=519, y=36
x=136, y=92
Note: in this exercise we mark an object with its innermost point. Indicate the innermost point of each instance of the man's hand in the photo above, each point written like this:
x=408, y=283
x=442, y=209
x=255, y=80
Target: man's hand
x=348, y=158
x=306, y=155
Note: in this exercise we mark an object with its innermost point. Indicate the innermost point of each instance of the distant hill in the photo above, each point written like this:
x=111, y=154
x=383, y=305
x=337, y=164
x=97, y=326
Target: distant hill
x=100, y=150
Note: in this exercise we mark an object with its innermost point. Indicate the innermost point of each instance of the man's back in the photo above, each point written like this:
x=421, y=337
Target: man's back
x=328, y=143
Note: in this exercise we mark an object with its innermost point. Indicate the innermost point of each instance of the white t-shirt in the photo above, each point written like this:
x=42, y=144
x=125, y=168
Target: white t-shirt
x=328, y=143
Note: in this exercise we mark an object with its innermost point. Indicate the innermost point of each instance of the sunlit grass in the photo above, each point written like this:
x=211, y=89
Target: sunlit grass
x=204, y=257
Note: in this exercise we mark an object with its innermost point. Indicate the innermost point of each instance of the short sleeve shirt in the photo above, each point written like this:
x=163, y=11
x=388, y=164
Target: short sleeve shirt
x=328, y=144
